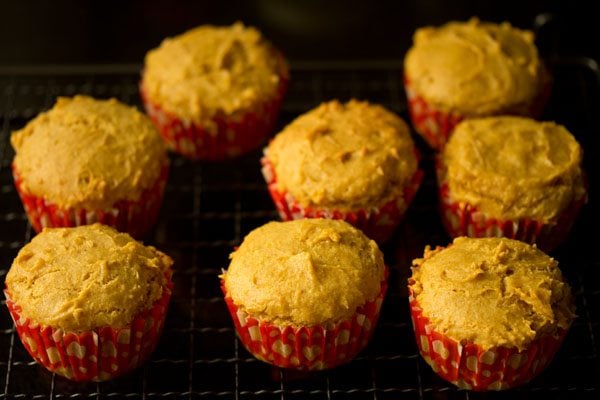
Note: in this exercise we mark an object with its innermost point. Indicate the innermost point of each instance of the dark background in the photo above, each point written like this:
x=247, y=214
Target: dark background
x=199, y=355
x=108, y=32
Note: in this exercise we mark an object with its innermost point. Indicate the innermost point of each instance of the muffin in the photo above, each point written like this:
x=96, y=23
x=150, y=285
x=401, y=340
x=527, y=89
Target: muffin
x=305, y=294
x=214, y=92
x=88, y=160
x=471, y=69
x=88, y=302
x=354, y=161
x=513, y=177
x=488, y=313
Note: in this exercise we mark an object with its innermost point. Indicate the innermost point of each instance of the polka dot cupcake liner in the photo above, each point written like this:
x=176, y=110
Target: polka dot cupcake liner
x=229, y=137
x=95, y=355
x=378, y=223
x=464, y=219
x=134, y=217
x=470, y=366
x=307, y=348
x=435, y=125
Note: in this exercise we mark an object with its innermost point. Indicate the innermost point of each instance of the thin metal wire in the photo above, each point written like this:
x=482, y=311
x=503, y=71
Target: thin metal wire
x=145, y=383
x=419, y=378
x=588, y=319
x=197, y=305
x=281, y=378
x=9, y=96
x=9, y=363
x=237, y=237
x=197, y=204
x=374, y=382
x=51, y=395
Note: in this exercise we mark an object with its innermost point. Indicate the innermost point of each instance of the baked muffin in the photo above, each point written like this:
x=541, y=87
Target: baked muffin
x=489, y=313
x=88, y=302
x=305, y=294
x=354, y=161
x=513, y=177
x=88, y=160
x=214, y=92
x=471, y=69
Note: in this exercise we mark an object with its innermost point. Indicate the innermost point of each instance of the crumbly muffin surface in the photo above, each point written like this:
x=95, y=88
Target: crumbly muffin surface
x=474, y=68
x=492, y=292
x=346, y=156
x=304, y=272
x=86, y=277
x=88, y=153
x=213, y=69
x=514, y=167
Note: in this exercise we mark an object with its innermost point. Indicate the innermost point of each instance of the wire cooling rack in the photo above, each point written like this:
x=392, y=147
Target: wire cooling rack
x=208, y=209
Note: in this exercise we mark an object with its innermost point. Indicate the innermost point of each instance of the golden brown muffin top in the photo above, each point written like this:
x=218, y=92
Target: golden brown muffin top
x=213, y=69
x=513, y=167
x=304, y=272
x=86, y=277
x=474, y=68
x=492, y=292
x=88, y=153
x=345, y=156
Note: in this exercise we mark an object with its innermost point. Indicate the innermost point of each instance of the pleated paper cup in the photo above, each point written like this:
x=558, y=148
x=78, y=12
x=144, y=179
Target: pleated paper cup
x=432, y=123
x=465, y=219
x=307, y=348
x=228, y=137
x=378, y=223
x=435, y=125
x=135, y=217
x=93, y=355
x=470, y=366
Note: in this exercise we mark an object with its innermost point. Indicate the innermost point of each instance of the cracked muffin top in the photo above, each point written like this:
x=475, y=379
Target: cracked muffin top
x=514, y=167
x=491, y=292
x=213, y=69
x=304, y=272
x=86, y=277
x=347, y=156
x=88, y=153
x=475, y=68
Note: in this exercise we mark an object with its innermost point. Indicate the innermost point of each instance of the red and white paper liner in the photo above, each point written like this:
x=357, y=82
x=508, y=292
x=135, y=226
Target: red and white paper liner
x=464, y=219
x=435, y=125
x=95, y=355
x=378, y=223
x=232, y=137
x=470, y=366
x=307, y=348
x=135, y=217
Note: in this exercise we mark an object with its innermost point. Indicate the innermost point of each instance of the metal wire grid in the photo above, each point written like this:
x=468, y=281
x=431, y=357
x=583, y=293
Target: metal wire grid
x=208, y=209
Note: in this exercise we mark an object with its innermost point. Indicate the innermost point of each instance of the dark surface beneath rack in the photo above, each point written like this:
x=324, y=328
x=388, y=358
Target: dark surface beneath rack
x=209, y=208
